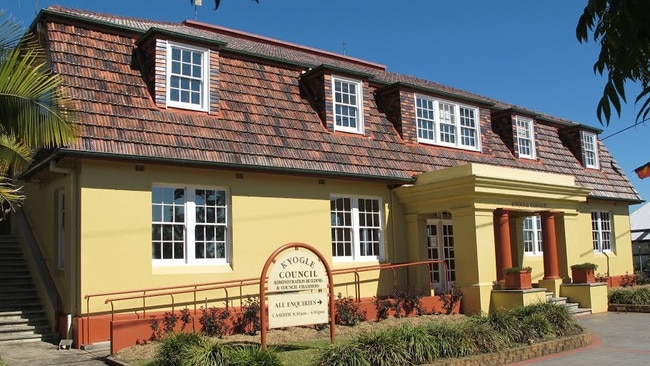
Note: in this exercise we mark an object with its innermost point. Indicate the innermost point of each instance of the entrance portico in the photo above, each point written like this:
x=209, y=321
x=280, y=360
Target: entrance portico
x=485, y=204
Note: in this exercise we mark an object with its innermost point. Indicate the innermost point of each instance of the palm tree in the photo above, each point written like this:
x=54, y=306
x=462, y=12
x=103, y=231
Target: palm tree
x=34, y=109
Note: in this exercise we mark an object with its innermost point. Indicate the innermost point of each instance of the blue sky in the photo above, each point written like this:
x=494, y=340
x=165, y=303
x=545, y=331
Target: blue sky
x=520, y=52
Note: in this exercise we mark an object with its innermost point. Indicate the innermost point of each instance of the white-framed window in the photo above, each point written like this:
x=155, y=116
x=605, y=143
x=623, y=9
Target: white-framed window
x=445, y=123
x=532, y=232
x=601, y=231
x=348, y=105
x=589, y=149
x=356, y=228
x=188, y=76
x=189, y=225
x=525, y=138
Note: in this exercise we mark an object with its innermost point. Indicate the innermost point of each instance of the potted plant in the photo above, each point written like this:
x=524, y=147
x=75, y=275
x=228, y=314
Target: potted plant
x=584, y=272
x=518, y=278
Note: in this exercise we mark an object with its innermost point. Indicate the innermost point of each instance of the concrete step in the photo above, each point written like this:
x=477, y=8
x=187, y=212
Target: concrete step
x=17, y=315
x=557, y=300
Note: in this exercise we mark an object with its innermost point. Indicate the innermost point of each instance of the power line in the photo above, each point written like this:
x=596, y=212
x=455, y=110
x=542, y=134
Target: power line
x=625, y=129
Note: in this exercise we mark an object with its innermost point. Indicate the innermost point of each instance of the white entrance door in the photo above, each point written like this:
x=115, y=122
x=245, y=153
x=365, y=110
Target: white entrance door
x=440, y=245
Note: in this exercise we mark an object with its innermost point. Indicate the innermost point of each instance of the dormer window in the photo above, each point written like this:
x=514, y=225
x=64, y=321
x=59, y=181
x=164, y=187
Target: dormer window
x=445, y=123
x=187, y=77
x=525, y=138
x=348, y=105
x=589, y=150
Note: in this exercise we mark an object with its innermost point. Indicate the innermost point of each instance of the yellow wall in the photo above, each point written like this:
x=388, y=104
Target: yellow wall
x=266, y=211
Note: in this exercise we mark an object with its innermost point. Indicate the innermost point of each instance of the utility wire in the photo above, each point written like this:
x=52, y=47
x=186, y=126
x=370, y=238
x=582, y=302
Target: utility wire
x=625, y=129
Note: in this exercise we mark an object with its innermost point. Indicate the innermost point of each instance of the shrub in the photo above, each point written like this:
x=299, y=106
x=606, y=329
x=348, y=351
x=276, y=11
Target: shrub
x=506, y=324
x=562, y=322
x=451, y=339
x=407, y=300
x=486, y=339
x=380, y=349
x=585, y=265
x=205, y=353
x=252, y=355
x=638, y=295
x=213, y=322
x=383, y=307
x=249, y=321
x=628, y=280
x=171, y=349
x=450, y=299
x=347, y=312
x=418, y=342
x=342, y=354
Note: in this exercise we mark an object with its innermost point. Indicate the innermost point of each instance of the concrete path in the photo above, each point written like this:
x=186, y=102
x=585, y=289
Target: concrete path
x=621, y=339
x=47, y=354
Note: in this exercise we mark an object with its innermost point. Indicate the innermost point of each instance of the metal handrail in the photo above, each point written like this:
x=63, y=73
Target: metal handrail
x=224, y=285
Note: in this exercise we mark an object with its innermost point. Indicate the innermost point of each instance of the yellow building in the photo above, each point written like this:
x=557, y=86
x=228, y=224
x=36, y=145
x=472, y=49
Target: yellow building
x=204, y=149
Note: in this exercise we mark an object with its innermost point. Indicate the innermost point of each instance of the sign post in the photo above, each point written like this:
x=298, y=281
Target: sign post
x=299, y=287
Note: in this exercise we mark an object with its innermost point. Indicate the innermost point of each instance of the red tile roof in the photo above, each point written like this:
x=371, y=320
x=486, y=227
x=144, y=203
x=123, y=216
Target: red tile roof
x=264, y=122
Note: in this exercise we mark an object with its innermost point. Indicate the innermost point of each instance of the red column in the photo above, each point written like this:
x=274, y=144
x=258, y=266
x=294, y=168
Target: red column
x=502, y=236
x=551, y=270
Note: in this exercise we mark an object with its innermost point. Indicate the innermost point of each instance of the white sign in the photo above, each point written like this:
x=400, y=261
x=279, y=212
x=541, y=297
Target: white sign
x=293, y=309
x=297, y=270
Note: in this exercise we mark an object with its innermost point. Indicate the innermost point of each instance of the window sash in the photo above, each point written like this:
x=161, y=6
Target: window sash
x=187, y=77
x=601, y=229
x=189, y=226
x=347, y=101
x=445, y=123
x=356, y=228
x=532, y=235
x=525, y=138
x=590, y=150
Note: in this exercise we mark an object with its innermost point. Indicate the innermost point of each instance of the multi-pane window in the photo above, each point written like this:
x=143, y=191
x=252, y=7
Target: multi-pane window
x=525, y=138
x=589, y=149
x=445, y=123
x=532, y=235
x=348, y=109
x=189, y=225
x=601, y=231
x=356, y=228
x=187, y=77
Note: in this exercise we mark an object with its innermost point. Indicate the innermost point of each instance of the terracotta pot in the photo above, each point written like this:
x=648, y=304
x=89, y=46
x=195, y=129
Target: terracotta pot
x=520, y=280
x=583, y=275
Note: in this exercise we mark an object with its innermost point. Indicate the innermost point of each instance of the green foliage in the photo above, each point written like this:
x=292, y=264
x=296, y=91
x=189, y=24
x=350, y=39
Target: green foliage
x=585, y=265
x=623, y=32
x=381, y=349
x=214, y=322
x=249, y=321
x=171, y=351
x=342, y=354
x=205, y=353
x=507, y=324
x=382, y=306
x=450, y=299
x=408, y=300
x=347, y=311
x=169, y=324
x=486, y=339
x=451, y=339
x=35, y=111
x=517, y=269
x=253, y=355
x=419, y=344
x=637, y=295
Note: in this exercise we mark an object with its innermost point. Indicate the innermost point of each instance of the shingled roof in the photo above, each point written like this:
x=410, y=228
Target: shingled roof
x=264, y=122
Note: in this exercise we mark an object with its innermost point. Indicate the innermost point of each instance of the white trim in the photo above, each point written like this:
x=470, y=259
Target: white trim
x=359, y=128
x=597, y=233
x=536, y=231
x=189, y=226
x=530, y=132
x=204, y=104
x=435, y=118
x=584, y=135
x=355, y=227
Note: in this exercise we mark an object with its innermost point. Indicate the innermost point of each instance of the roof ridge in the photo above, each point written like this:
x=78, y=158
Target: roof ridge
x=277, y=42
